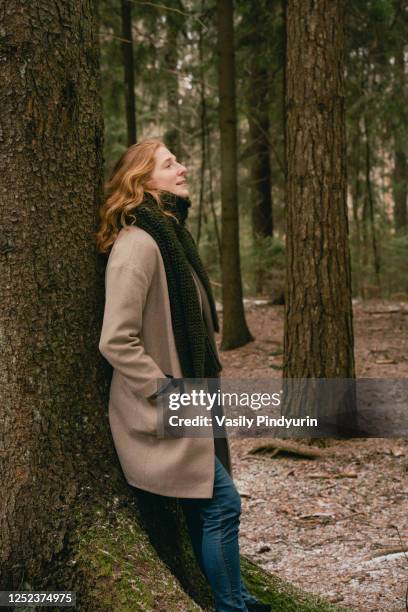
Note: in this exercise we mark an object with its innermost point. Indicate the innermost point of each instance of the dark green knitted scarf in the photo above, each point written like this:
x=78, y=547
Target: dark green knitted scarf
x=177, y=247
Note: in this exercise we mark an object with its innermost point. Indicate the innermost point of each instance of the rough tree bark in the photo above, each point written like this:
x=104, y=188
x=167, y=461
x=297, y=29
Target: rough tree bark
x=235, y=331
x=318, y=337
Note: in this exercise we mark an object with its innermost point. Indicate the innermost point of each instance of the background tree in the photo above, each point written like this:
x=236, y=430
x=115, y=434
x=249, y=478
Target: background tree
x=173, y=41
x=318, y=337
x=377, y=128
x=256, y=35
x=260, y=60
x=400, y=173
x=235, y=330
x=129, y=71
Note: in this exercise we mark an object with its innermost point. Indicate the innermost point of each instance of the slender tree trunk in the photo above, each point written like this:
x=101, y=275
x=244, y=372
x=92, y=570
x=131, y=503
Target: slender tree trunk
x=129, y=70
x=364, y=235
x=400, y=189
x=356, y=197
x=370, y=203
x=206, y=162
x=258, y=119
x=211, y=188
x=235, y=330
x=258, y=110
x=262, y=220
x=284, y=113
x=258, y=103
x=261, y=194
x=400, y=173
x=203, y=122
x=172, y=135
x=318, y=337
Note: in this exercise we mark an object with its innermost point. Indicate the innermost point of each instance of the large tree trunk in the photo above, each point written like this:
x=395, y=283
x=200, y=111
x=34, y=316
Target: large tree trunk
x=51, y=156
x=129, y=71
x=235, y=330
x=318, y=337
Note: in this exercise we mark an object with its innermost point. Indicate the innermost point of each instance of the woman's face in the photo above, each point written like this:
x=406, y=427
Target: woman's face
x=168, y=174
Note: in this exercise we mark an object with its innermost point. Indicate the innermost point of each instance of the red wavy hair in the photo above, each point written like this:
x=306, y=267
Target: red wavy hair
x=125, y=190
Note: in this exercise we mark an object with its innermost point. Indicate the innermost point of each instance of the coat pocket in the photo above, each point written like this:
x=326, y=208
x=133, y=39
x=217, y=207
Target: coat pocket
x=135, y=413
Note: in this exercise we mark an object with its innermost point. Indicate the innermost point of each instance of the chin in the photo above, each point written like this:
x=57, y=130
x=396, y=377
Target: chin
x=182, y=192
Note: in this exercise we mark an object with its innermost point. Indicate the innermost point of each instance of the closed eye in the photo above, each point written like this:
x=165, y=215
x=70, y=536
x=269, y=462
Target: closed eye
x=169, y=162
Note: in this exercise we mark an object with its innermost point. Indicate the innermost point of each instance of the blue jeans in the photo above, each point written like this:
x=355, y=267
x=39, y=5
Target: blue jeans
x=213, y=525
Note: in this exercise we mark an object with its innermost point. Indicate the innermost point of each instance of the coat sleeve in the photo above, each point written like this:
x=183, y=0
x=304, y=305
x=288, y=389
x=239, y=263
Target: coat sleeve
x=126, y=292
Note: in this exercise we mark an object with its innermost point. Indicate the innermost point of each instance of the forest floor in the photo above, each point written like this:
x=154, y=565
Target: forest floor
x=335, y=525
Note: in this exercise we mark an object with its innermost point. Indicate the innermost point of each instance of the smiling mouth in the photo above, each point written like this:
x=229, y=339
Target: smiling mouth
x=182, y=183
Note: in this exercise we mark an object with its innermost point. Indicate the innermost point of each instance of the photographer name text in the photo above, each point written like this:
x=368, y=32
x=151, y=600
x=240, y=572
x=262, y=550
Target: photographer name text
x=241, y=421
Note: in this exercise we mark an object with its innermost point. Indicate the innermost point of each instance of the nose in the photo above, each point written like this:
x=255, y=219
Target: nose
x=182, y=169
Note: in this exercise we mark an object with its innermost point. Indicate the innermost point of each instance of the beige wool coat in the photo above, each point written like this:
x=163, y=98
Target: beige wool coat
x=138, y=341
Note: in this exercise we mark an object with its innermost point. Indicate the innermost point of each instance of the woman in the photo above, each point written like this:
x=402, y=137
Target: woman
x=159, y=322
